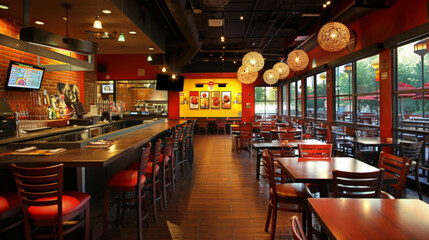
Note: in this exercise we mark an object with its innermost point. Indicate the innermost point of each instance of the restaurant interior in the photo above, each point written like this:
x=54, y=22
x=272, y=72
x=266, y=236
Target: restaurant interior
x=214, y=119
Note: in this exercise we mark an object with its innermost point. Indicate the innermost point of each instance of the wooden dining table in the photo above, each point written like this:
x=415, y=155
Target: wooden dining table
x=319, y=170
x=342, y=218
x=372, y=142
x=277, y=144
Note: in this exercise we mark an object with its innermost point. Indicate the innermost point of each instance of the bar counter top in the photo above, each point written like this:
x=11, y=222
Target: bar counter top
x=96, y=157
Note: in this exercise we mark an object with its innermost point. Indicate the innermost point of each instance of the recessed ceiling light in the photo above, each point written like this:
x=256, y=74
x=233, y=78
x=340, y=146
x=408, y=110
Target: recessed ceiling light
x=4, y=7
x=39, y=22
x=64, y=18
x=132, y=32
x=106, y=11
x=223, y=47
x=151, y=49
x=241, y=17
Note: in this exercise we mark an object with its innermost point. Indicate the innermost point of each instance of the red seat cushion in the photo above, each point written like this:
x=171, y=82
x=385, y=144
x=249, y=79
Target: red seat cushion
x=125, y=178
x=71, y=202
x=161, y=158
x=135, y=166
x=8, y=201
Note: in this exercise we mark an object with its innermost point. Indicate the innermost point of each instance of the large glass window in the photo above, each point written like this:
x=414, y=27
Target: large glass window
x=284, y=99
x=299, y=98
x=292, y=98
x=265, y=101
x=309, y=104
x=412, y=84
x=343, y=93
x=321, y=104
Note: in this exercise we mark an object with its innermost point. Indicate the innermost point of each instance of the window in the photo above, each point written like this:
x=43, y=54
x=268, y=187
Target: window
x=292, y=98
x=309, y=93
x=361, y=75
x=321, y=104
x=412, y=87
x=284, y=99
x=299, y=98
x=265, y=101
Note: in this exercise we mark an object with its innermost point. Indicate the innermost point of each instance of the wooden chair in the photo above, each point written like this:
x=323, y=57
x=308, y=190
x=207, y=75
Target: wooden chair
x=246, y=135
x=367, y=154
x=202, y=124
x=413, y=151
x=129, y=181
x=399, y=167
x=315, y=151
x=287, y=193
x=10, y=209
x=279, y=173
x=220, y=124
x=286, y=136
x=297, y=231
x=49, y=212
x=357, y=184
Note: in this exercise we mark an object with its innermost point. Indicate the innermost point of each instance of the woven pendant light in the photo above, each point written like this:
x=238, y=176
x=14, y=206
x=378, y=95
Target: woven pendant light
x=271, y=76
x=253, y=61
x=297, y=60
x=246, y=77
x=333, y=37
x=282, y=68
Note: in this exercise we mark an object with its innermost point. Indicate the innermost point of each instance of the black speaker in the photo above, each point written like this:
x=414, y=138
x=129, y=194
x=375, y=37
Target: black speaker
x=101, y=68
x=222, y=84
x=199, y=85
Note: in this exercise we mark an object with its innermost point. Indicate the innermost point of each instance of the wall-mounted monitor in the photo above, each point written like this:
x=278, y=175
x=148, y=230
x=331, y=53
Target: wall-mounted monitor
x=23, y=76
x=107, y=88
x=167, y=83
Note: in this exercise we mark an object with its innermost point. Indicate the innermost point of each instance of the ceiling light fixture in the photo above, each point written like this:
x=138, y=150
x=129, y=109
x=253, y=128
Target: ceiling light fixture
x=39, y=22
x=106, y=11
x=271, y=76
x=297, y=60
x=97, y=21
x=253, y=61
x=149, y=58
x=222, y=38
x=282, y=69
x=132, y=32
x=121, y=37
x=4, y=7
x=325, y=4
x=164, y=69
x=241, y=18
x=333, y=37
x=151, y=49
x=246, y=77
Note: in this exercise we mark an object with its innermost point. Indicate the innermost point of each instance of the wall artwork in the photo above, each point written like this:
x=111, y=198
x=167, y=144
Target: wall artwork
x=69, y=91
x=215, y=101
x=226, y=100
x=193, y=100
x=205, y=97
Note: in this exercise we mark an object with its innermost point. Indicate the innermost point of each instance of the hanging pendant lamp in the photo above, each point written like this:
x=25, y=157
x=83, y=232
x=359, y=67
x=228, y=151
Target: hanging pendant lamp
x=253, y=61
x=333, y=37
x=297, y=60
x=271, y=76
x=282, y=68
x=246, y=77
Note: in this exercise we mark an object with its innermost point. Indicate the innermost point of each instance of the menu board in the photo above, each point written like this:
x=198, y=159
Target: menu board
x=226, y=100
x=215, y=101
x=193, y=99
x=204, y=100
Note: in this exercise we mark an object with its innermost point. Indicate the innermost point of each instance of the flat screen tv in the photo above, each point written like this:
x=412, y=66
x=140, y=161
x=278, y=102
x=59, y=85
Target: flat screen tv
x=80, y=111
x=167, y=83
x=23, y=76
x=107, y=88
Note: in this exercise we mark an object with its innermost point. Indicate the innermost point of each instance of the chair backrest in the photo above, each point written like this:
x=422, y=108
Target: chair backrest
x=286, y=151
x=366, y=132
x=297, y=231
x=412, y=150
x=177, y=136
x=246, y=132
x=313, y=150
x=156, y=156
x=350, y=131
x=357, y=184
x=144, y=159
x=334, y=142
x=286, y=136
x=40, y=186
x=269, y=169
x=397, y=166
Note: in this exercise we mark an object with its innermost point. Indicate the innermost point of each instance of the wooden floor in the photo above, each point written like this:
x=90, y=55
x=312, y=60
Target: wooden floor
x=221, y=199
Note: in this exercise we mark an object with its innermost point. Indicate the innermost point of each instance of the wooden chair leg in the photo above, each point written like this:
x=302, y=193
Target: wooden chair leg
x=273, y=223
x=419, y=188
x=267, y=222
x=155, y=216
x=139, y=216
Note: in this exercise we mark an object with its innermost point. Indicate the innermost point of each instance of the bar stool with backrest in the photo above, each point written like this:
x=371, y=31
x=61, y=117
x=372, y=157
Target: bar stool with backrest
x=414, y=151
x=49, y=212
x=397, y=166
x=129, y=181
x=246, y=134
x=166, y=168
x=10, y=209
x=184, y=145
x=287, y=193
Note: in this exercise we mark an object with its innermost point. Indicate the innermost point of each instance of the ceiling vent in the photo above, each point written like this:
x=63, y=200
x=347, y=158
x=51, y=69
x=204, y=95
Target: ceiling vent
x=215, y=22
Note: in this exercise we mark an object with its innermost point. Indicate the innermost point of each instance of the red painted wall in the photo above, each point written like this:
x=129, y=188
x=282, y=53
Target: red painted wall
x=173, y=105
x=125, y=67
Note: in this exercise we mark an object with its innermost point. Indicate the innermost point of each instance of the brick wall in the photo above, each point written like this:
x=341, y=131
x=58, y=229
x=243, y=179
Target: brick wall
x=11, y=27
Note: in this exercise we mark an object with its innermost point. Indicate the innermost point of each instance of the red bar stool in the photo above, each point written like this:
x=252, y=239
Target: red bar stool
x=153, y=179
x=46, y=206
x=10, y=206
x=166, y=161
x=129, y=181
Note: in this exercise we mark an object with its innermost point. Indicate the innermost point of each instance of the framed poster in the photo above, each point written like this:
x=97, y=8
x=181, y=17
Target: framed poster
x=215, y=102
x=226, y=100
x=193, y=99
x=204, y=100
